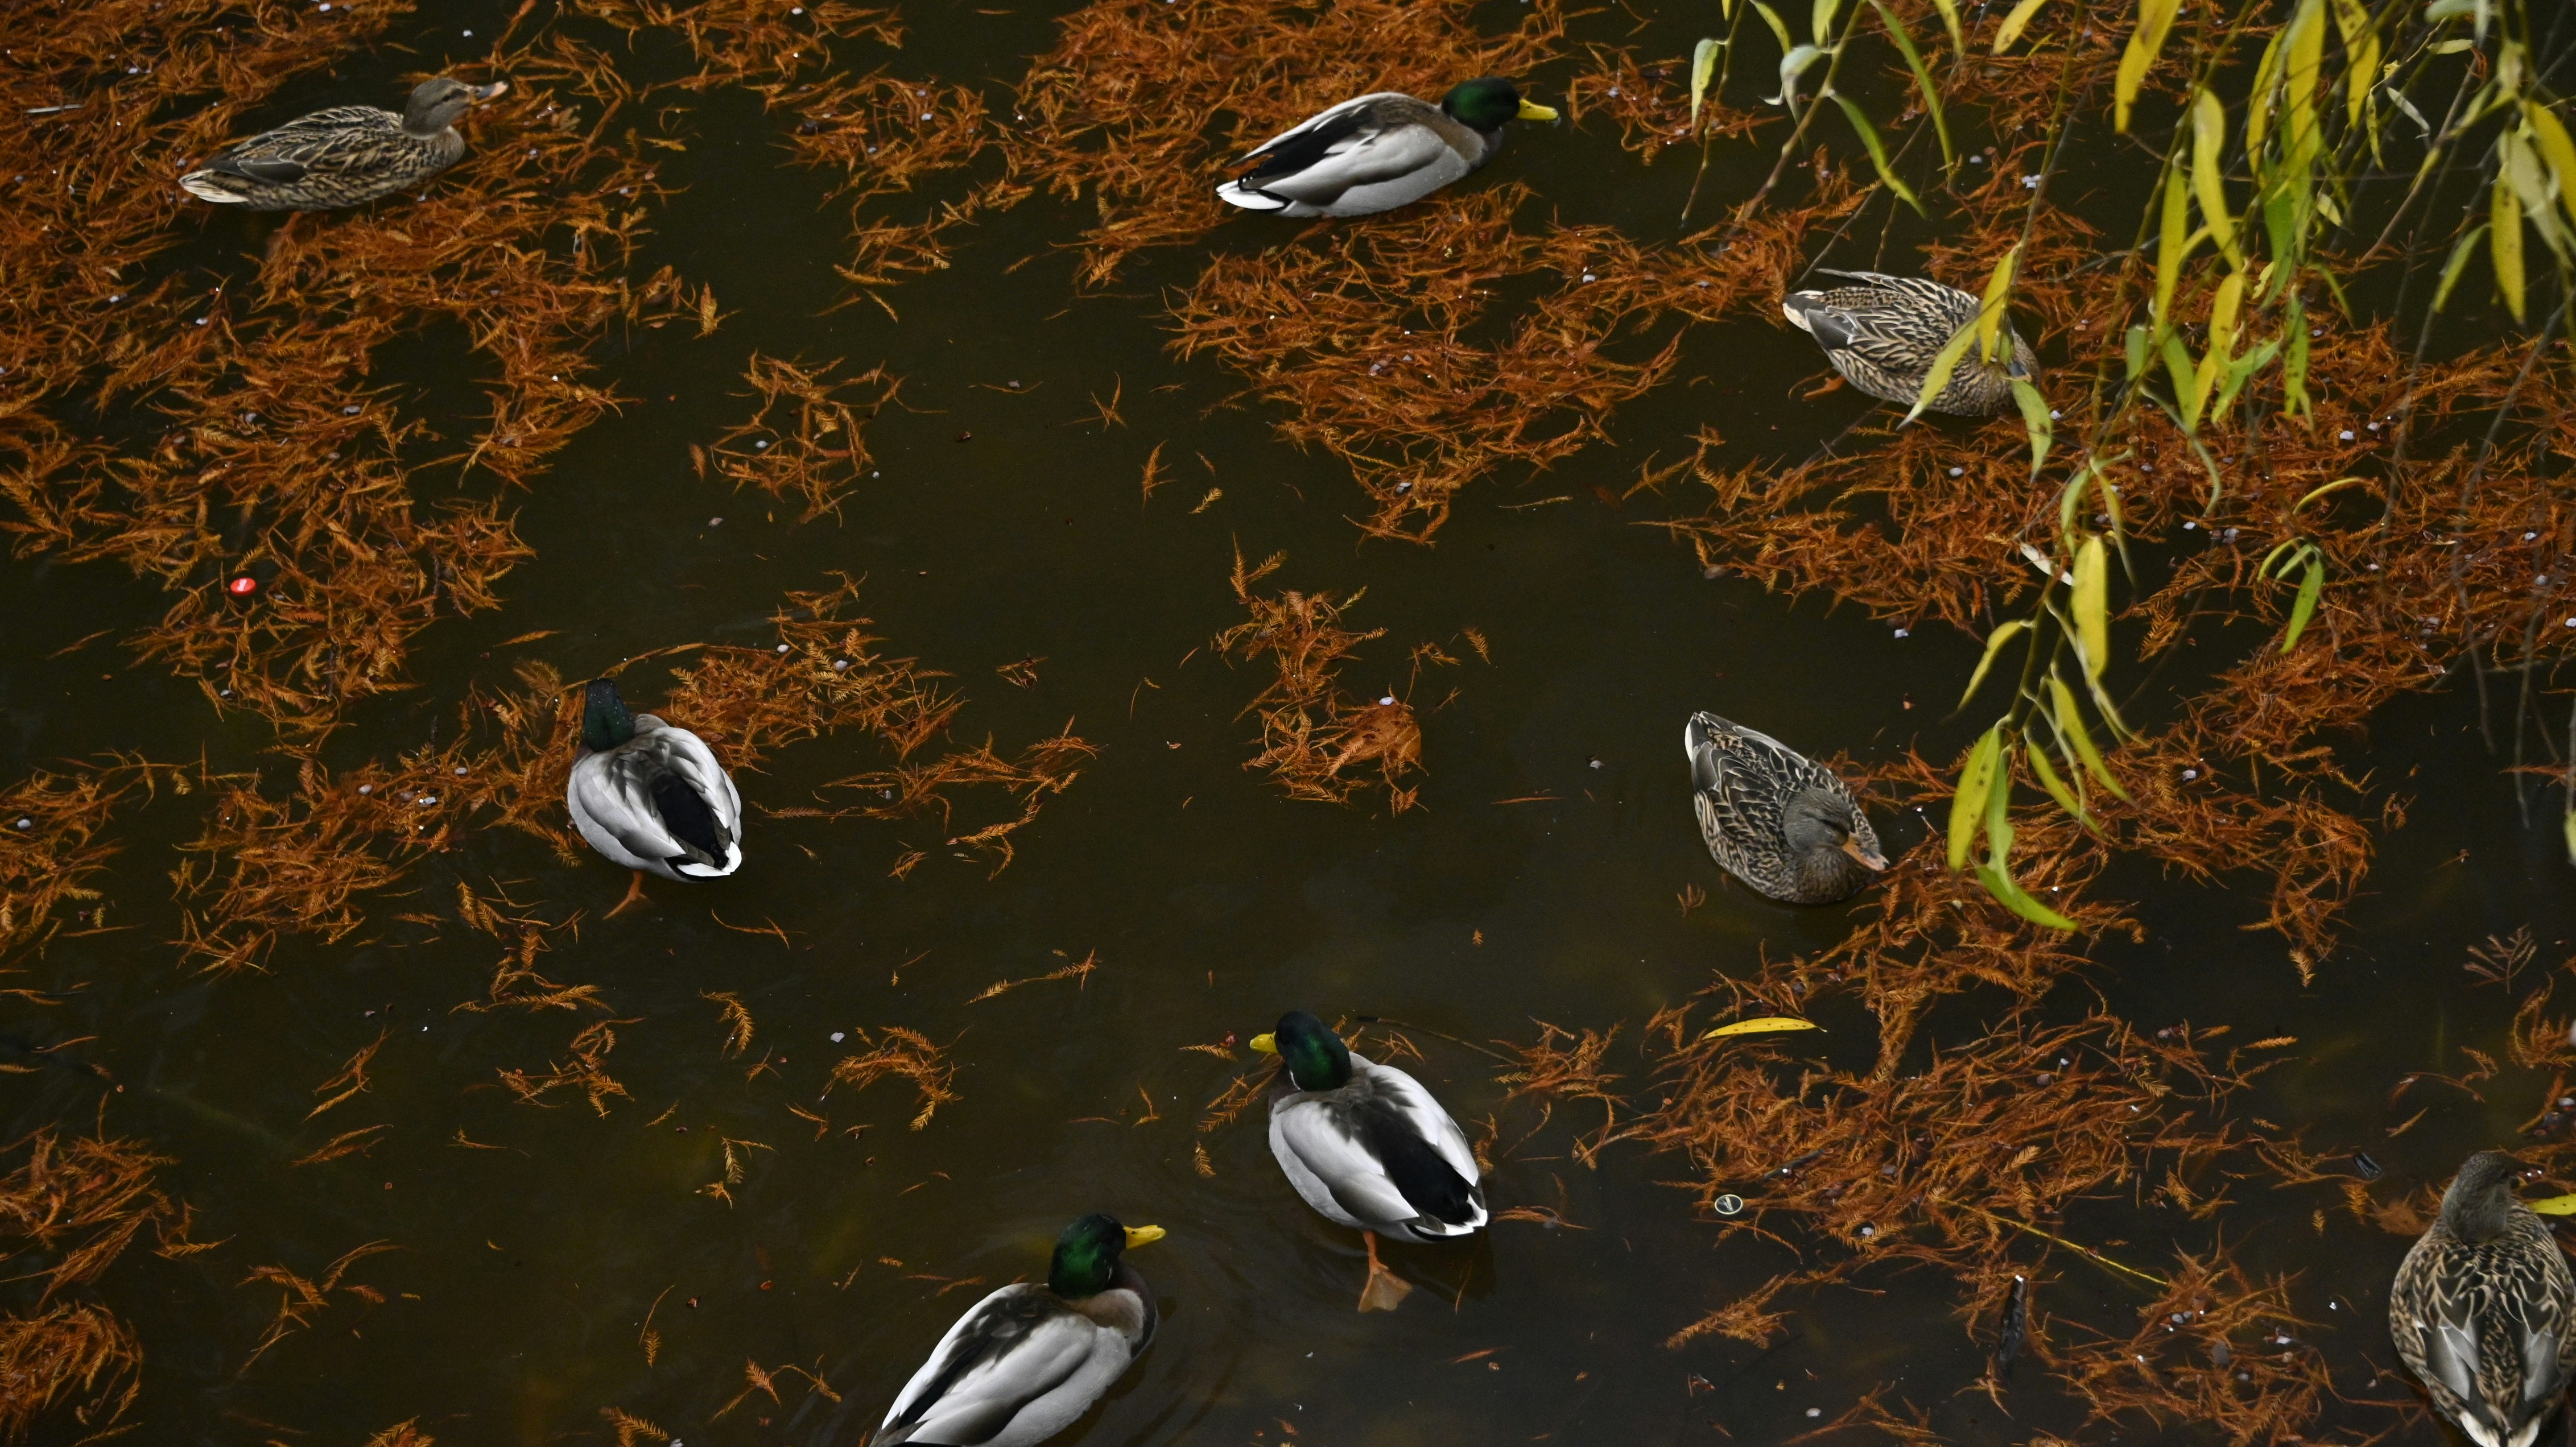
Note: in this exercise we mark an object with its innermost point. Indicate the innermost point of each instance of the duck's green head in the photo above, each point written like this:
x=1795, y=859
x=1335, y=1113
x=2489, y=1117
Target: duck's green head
x=436, y=103
x=1485, y=103
x=1316, y=1057
x=605, y=723
x=1086, y=1255
x=2480, y=1201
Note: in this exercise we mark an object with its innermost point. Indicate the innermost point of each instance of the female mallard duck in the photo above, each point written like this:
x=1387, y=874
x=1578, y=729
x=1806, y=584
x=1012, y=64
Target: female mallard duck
x=344, y=155
x=650, y=796
x=1029, y=1359
x=1775, y=820
x=1367, y=1147
x=1380, y=151
x=1885, y=333
x=2484, y=1310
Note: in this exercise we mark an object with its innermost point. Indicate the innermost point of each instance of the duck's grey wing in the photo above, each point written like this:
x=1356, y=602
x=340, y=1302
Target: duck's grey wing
x=1737, y=798
x=1016, y=1346
x=1358, y=144
x=319, y=141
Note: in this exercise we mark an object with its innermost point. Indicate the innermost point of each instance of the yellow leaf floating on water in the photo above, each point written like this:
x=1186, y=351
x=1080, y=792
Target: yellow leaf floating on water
x=1763, y=1025
x=2554, y=1206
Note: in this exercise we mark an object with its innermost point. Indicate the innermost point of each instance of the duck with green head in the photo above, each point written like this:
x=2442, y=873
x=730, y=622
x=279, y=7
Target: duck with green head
x=650, y=796
x=1368, y=1148
x=2483, y=1310
x=1029, y=1359
x=1379, y=151
x=345, y=155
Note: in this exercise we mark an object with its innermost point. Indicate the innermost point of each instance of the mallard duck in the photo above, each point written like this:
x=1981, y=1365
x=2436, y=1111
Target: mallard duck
x=1885, y=333
x=650, y=796
x=1380, y=151
x=2484, y=1310
x=1029, y=1359
x=1367, y=1147
x=1773, y=818
x=344, y=155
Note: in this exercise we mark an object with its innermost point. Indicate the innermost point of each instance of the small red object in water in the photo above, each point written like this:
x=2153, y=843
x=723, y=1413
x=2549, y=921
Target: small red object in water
x=243, y=587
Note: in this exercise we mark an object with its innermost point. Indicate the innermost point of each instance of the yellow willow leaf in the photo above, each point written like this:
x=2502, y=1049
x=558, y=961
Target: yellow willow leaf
x=1950, y=17
x=1968, y=807
x=2209, y=172
x=2360, y=54
x=2554, y=1205
x=1766, y=1025
x=2014, y=24
x=1945, y=364
x=2307, y=37
x=1703, y=68
x=2504, y=240
x=1990, y=313
x=2223, y=311
x=2012, y=896
x=2549, y=137
x=2258, y=102
x=2056, y=786
x=2155, y=18
x=2093, y=605
x=2070, y=726
x=1995, y=642
x=2174, y=242
x=2310, y=589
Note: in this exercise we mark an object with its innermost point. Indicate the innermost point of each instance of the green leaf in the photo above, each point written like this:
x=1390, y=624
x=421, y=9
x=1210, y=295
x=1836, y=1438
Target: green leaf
x=1877, y=152
x=1778, y=26
x=2056, y=786
x=2209, y=172
x=2069, y=719
x=1793, y=65
x=2014, y=24
x=2306, y=608
x=2549, y=137
x=1968, y=807
x=2461, y=251
x=2092, y=602
x=1995, y=642
x=2361, y=56
x=2137, y=350
x=2009, y=893
x=1931, y=93
x=2036, y=421
x=2155, y=18
x=2174, y=241
x=2568, y=828
x=1820, y=18
x=2504, y=239
x=1990, y=309
x=1950, y=17
x=2554, y=1205
x=2294, y=370
x=1766, y=1025
x=2243, y=370
x=1703, y=70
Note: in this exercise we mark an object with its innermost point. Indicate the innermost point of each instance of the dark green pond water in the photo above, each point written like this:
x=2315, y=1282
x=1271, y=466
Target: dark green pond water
x=522, y=1275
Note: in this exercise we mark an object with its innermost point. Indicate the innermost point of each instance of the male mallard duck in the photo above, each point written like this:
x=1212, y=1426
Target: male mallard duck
x=2484, y=1310
x=1773, y=818
x=1380, y=151
x=651, y=796
x=344, y=155
x=1367, y=1147
x=1029, y=1359
x=1885, y=333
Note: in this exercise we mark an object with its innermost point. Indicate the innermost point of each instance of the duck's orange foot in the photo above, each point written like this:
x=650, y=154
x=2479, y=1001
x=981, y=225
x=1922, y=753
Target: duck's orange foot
x=1385, y=1290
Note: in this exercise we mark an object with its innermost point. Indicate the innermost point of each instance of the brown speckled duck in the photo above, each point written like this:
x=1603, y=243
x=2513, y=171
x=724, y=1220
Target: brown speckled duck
x=2484, y=1309
x=1774, y=818
x=1885, y=333
x=343, y=156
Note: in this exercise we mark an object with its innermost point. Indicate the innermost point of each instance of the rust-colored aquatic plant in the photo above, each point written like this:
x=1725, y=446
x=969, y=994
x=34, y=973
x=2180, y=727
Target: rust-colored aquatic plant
x=904, y=1055
x=1311, y=729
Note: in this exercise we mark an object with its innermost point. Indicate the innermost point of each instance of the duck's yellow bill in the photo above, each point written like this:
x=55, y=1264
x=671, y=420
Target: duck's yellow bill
x=1266, y=1044
x=1533, y=111
x=1143, y=1236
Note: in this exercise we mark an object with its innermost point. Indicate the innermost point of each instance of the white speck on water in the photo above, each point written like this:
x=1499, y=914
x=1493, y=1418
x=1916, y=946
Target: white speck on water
x=2344, y=436
x=1390, y=698
x=2188, y=526
x=1815, y=1411
x=2190, y=774
x=782, y=647
x=2030, y=183
x=1958, y=471
x=1904, y=632
x=1588, y=276
x=2054, y=414
x=366, y=788
x=716, y=522
x=837, y=1037
x=26, y=823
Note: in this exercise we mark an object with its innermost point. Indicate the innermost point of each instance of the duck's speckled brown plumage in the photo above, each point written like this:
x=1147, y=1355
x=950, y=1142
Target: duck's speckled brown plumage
x=1774, y=818
x=1885, y=333
x=343, y=156
x=2483, y=1310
